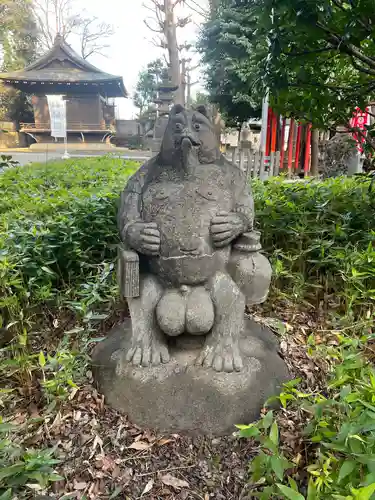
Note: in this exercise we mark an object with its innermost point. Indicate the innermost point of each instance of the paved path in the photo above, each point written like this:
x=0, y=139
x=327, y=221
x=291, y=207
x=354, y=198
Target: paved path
x=39, y=157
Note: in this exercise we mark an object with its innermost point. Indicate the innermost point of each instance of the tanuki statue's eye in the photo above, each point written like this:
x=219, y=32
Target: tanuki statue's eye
x=178, y=127
x=197, y=126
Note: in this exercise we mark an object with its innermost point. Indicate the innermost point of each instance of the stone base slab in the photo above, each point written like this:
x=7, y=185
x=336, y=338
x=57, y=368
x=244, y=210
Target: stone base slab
x=181, y=397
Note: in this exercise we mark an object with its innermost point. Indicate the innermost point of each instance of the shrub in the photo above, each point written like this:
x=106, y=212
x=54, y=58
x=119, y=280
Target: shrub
x=57, y=242
x=320, y=237
x=57, y=228
x=23, y=470
x=58, y=235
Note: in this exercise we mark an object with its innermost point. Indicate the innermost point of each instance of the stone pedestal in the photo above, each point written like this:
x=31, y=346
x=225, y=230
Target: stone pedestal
x=181, y=397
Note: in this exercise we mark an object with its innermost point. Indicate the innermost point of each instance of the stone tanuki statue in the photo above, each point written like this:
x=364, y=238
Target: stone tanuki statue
x=189, y=264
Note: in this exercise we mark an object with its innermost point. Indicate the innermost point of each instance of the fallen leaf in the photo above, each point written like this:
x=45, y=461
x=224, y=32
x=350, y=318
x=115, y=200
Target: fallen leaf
x=73, y=393
x=116, y=472
x=104, y=463
x=170, y=480
x=148, y=487
x=97, y=441
x=35, y=487
x=164, y=441
x=79, y=486
x=127, y=476
x=140, y=445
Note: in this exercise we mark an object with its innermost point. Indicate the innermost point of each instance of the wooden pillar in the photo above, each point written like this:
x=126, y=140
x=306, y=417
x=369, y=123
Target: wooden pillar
x=269, y=128
x=282, y=142
x=315, y=152
x=307, y=148
x=274, y=132
x=298, y=147
x=290, y=147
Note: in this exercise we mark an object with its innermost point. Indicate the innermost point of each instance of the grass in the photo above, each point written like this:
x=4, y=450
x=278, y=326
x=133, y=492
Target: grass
x=58, y=293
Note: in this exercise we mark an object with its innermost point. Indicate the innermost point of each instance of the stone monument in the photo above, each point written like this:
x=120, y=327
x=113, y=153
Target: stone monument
x=163, y=100
x=188, y=359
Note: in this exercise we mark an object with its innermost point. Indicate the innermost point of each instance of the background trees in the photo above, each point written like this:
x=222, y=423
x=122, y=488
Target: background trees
x=29, y=27
x=148, y=79
x=145, y=91
x=60, y=16
x=18, y=47
x=317, y=59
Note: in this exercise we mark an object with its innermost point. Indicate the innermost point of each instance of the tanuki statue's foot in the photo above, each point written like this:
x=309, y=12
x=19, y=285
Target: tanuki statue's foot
x=221, y=354
x=148, y=345
x=148, y=350
x=221, y=351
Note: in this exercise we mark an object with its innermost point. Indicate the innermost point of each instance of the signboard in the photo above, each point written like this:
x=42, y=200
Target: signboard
x=57, y=113
x=359, y=121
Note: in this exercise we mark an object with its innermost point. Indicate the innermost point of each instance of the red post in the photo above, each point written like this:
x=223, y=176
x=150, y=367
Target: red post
x=290, y=145
x=298, y=147
x=269, y=128
x=308, y=147
x=282, y=140
x=274, y=132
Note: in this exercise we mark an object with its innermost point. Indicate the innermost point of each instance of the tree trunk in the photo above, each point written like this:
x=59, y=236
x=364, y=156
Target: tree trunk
x=173, y=52
x=188, y=95
x=315, y=152
x=217, y=122
x=214, y=5
x=184, y=81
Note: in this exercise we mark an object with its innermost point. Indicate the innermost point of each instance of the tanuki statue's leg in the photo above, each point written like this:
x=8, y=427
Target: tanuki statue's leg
x=221, y=350
x=148, y=343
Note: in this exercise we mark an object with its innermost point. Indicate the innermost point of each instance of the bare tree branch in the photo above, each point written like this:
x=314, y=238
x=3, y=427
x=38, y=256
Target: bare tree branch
x=183, y=21
x=58, y=16
x=175, y=3
x=360, y=68
x=151, y=28
x=347, y=48
x=198, y=9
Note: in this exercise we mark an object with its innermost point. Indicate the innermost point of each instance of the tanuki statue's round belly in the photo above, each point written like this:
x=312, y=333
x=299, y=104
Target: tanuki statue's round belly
x=183, y=214
x=187, y=256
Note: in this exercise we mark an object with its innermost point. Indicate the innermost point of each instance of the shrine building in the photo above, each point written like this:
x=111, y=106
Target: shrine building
x=88, y=91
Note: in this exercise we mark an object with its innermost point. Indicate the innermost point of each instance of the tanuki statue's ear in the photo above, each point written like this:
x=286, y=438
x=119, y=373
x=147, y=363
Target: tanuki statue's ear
x=177, y=108
x=202, y=110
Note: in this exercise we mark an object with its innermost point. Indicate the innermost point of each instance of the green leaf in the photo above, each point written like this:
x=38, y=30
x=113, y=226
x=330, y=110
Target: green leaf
x=42, y=359
x=274, y=433
x=347, y=467
x=365, y=493
x=267, y=420
x=289, y=493
x=13, y=470
x=249, y=432
x=284, y=398
x=277, y=465
x=116, y=492
x=292, y=484
x=7, y=427
x=7, y=495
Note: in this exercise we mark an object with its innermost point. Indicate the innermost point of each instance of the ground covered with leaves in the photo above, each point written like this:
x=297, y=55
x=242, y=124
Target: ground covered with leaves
x=59, y=297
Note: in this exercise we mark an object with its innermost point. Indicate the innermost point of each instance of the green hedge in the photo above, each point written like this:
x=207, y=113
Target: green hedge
x=321, y=240
x=57, y=227
x=58, y=232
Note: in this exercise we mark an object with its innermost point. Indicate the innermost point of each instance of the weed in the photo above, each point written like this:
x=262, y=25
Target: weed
x=23, y=469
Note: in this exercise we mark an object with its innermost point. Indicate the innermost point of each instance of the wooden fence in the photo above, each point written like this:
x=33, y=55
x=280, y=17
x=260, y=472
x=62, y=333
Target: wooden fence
x=255, y=164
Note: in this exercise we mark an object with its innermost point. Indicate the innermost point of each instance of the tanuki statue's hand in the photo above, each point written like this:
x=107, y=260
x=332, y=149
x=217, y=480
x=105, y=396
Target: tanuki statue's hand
x=225, y=227
x=144, y=237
